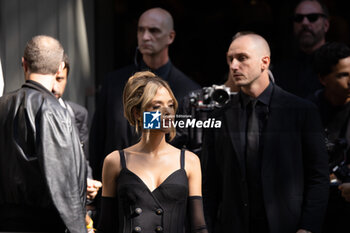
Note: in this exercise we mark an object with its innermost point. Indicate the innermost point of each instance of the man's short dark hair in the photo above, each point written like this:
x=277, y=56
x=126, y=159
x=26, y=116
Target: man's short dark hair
x=328, y=56
x=43, y=55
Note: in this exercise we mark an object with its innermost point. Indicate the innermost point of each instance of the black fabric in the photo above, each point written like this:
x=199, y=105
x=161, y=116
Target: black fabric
x=24, y=218
x=257, y=215
x=109, y=215
x=195, y=204
x=139, y=208
x=294, y=168
x=80, y=119
x=335, y=120
x=110, y=130
x=296, y=75
x=42, y=164
x=252, y=132
x=261, y=111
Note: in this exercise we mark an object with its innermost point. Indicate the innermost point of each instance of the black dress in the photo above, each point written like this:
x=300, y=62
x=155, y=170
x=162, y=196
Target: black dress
x=138, y=209
x=143, y=210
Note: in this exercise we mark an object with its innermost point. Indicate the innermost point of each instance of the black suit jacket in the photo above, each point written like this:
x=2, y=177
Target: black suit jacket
x=110, y=130
x=294, y=169
x=80, y=118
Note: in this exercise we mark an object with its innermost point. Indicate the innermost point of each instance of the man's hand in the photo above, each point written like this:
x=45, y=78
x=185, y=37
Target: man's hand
x=345, y=191
x=92, y=188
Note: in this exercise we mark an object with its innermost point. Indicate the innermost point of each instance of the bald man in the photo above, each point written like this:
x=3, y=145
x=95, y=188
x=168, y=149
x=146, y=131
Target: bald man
x=266, y=169
x=110, y=130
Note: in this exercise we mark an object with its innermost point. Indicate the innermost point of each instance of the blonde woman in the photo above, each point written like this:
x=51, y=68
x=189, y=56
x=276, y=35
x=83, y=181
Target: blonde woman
x=149, y=186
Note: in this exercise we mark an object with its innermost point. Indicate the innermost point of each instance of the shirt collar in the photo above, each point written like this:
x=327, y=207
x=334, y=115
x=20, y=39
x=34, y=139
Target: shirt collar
x=162, y=71
x=264, y=97
x=38, y=86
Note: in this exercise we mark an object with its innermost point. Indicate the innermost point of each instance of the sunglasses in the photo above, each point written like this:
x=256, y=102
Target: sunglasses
x=298, y=18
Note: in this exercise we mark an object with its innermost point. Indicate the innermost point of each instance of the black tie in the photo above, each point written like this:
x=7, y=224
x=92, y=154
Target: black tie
x=252, y=132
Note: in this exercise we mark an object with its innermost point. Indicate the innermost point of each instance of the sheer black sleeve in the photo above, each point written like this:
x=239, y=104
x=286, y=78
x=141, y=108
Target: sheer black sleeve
x=197, y=222
x=109, y=215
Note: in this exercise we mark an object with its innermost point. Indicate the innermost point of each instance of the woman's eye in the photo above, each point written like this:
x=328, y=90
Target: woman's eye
x=156, y=107
x=171, y=106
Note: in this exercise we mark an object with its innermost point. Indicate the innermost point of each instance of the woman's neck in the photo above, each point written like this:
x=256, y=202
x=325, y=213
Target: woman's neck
x=155, y=143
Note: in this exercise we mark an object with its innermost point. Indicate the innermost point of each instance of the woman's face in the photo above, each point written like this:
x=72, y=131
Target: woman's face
x=163, y=103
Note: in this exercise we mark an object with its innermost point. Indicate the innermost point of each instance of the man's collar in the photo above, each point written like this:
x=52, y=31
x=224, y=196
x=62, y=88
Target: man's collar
x=38, y=86
x=162, y=71
x=264, y=97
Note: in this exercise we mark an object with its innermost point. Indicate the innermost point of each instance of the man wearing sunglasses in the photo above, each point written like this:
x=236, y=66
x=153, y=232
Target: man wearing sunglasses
x=310, y=25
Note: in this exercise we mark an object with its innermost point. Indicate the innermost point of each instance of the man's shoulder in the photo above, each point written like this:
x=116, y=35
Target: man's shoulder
x=28, y=96
x=287, y=99
x=121, y=74
x=34, y=102
x=183, y=78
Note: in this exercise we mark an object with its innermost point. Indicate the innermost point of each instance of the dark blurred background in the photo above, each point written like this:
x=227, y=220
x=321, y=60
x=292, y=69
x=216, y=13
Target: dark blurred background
x=203, y=31
x=100, y=35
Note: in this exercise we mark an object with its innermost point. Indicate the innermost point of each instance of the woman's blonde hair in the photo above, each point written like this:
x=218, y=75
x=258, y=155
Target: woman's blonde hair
x=138, y=94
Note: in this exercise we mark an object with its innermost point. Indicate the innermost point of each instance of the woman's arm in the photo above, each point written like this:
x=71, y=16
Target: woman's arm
x=194, y=174
x=110, y=172
x=109, y=204
x=195, y=203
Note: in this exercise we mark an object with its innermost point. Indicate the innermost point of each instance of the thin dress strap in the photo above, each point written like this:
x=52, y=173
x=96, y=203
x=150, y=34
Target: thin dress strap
x=122, y=158
x=182, y=159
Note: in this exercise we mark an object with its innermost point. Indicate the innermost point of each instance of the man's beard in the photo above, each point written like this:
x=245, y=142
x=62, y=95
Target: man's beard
x=310, y=39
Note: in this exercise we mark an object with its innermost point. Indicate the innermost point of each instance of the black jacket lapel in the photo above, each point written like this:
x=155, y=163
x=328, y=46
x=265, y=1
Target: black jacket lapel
x=233, y=121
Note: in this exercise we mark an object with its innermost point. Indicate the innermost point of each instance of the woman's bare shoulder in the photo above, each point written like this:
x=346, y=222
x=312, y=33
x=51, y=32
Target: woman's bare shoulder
x=112, y=161
x=191, y=158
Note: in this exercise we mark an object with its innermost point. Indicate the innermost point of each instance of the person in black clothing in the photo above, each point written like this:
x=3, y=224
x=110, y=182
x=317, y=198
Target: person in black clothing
x=42, y=165
x=79, y=116
x=295, y=74
x=110, y=130
x=332, y=64
x=149, y=186
x=265, y=170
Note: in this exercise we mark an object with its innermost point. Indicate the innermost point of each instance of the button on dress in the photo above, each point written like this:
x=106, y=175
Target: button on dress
x=160, y=210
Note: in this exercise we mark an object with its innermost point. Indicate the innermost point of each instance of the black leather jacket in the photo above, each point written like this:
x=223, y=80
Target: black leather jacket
x=41, y=160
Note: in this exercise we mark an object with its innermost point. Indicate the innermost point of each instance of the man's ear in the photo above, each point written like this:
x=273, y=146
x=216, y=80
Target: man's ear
x=265, y=62
x=24, y=64
x=326, y=25
x=171, y=37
